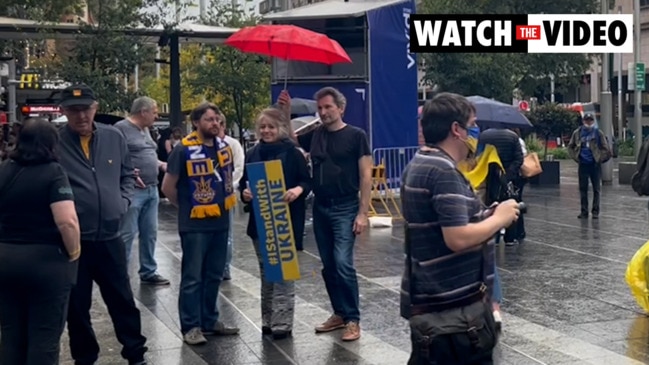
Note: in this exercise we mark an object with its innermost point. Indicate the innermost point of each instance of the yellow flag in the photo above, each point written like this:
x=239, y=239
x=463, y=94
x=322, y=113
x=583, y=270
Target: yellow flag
x=476, y=171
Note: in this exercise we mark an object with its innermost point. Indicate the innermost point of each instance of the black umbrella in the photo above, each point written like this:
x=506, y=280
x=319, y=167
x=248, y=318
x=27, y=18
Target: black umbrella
x=492, y=113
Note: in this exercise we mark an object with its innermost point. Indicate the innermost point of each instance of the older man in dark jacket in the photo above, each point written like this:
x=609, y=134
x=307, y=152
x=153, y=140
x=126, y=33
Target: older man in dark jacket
x=96, y=159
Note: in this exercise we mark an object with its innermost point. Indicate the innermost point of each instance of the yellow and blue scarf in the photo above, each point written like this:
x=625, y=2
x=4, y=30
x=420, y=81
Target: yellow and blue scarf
x=211, y=183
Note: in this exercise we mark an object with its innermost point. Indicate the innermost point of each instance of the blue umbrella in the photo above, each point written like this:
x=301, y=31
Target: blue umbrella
x=492, y=113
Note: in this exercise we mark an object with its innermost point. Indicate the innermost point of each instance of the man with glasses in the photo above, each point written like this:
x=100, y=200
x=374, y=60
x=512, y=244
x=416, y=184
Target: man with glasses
x=142, y=216
x=97, y=162
x=199, y=182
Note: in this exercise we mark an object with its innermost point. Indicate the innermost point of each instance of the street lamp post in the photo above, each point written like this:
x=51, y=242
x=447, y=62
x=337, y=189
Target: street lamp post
x=606, y=107
x=638, y=93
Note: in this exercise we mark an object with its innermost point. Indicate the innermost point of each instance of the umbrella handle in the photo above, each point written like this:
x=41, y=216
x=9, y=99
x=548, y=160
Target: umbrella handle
x=288, y=64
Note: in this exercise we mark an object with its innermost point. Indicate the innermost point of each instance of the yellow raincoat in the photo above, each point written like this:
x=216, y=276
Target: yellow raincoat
x=637, y=273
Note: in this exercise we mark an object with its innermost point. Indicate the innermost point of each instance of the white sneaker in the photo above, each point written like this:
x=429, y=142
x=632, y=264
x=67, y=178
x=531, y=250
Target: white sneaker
x=499, y=320
x=195, y=337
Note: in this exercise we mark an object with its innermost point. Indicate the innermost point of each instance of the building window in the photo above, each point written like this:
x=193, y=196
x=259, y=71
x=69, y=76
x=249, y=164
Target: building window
x=644, y=3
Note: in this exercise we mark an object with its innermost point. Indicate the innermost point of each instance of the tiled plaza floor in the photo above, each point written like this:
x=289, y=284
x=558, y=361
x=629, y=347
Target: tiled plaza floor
x=566, y=301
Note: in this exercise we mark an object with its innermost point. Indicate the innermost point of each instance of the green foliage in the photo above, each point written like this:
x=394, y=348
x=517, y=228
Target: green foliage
x=533, y=144
x=102, y=55
x=40, y=11
x=559, y=153
x=551, y=119
x=241, y=79
x=50, y=10
x=625, y=148
x=497, y=75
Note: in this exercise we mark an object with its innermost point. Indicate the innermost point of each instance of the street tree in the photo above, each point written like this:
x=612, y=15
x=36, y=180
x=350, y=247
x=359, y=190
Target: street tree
x=158, y=88
x=497, y=75
x=103, y=54
x=40, y=11
x=241, y=80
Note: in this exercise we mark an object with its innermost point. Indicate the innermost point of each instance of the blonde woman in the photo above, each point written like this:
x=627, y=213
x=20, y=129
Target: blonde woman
x=273, y=129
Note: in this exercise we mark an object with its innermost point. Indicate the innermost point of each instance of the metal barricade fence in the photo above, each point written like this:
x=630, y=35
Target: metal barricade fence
x=394, y=161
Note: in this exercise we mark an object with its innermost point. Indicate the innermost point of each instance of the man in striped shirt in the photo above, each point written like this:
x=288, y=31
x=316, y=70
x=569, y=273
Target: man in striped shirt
x=448, y=264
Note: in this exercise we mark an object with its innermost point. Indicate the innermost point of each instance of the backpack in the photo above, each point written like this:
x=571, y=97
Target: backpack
x=640, y=179
x=606, y=152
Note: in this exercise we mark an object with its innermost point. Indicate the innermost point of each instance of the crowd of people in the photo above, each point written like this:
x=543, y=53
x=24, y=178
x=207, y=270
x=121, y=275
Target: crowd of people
x=93, y=189
x=82, y=194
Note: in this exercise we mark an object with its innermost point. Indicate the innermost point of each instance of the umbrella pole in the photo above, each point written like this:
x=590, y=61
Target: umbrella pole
x=288, y=64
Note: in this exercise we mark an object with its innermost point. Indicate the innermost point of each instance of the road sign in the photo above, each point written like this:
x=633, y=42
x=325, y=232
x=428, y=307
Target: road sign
x=640, y=76
x=524, y=105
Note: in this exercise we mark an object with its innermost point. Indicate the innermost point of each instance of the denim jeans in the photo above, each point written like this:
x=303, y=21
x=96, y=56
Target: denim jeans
x=228, y=259
x=497, y=295
x=142, y=217
x=334, y=235
x=202, y=267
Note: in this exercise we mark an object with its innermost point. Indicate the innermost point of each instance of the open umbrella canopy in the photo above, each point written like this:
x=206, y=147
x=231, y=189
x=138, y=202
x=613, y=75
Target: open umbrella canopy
x=298, y=123
x=289, y=42
x=300, y=106
x=493, y=113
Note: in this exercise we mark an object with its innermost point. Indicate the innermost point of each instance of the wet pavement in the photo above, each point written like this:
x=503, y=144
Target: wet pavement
x=566, y=301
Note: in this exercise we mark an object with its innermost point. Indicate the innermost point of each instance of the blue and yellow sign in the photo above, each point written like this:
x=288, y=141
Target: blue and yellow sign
x=273, y=218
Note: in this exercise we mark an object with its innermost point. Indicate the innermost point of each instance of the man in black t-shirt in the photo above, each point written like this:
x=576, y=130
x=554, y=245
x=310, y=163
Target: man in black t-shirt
x=342, y=166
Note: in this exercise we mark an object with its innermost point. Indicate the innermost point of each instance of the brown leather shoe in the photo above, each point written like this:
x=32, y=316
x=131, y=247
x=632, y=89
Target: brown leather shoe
x=352, y=332
x=333, y=323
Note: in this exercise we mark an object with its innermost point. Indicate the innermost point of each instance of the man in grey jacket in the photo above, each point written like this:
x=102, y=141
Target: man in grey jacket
x=96, y=159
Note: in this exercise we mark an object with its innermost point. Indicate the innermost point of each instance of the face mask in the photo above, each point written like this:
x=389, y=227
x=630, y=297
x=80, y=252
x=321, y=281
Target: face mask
x=589, y=126
x=472, y=140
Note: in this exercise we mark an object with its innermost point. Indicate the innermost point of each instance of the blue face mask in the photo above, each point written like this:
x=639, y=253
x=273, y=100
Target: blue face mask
x=472, y=139
x=474, y=132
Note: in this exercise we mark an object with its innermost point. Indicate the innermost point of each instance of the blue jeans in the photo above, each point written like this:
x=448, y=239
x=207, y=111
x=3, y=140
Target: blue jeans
x=142, y=217
x=202, y=269
x=333, y=229
x=497, y=296
x=228, y=258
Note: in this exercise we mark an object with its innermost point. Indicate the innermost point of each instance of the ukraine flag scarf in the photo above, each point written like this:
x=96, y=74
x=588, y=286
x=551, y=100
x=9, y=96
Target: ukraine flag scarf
x=211, y=183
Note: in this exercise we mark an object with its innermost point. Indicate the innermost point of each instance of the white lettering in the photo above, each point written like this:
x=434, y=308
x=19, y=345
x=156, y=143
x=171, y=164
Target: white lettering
x=502, y=33
x=426, y=34
x=195, y=153
x=482, y=39
x=583, y=33
x=452, y=35
x=409, y=55
x=468, y=26
x=461, y=33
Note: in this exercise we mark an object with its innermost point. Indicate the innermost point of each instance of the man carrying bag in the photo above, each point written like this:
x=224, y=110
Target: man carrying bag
x=448, y=268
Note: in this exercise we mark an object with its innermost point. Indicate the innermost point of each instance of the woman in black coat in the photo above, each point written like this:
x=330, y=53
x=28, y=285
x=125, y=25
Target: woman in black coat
x=273, y=129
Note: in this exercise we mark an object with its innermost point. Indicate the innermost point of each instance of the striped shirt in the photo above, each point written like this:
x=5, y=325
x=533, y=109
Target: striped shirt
x=435, y=195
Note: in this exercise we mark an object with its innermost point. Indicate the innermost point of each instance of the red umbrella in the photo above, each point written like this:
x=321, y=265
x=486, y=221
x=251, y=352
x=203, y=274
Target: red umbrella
x=290, y=43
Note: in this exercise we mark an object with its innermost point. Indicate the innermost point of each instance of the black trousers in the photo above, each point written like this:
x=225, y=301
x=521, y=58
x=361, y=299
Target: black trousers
x=104, y=262
x=517, y=230
x=589, y=172
x=35, y=284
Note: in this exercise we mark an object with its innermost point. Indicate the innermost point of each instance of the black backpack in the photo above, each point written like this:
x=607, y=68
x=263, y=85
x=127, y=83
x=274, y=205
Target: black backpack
x=640, y=179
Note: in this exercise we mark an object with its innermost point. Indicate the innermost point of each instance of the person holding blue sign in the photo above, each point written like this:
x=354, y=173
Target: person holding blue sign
x=199, y=182
x=277, y=298
x=342, y=167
